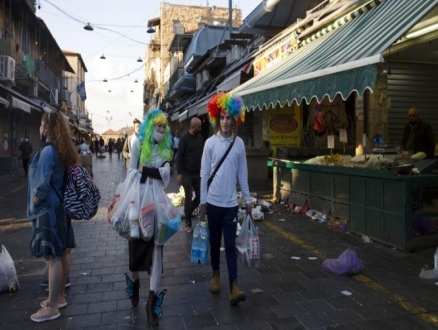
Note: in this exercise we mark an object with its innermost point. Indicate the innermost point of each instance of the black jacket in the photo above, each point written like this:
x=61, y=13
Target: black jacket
x=189, y=155
x=425, y=141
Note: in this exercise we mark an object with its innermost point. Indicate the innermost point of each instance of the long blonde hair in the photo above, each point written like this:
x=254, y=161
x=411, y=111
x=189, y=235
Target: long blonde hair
x=58, y=135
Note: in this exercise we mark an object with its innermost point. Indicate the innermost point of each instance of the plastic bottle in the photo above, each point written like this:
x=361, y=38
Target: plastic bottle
x=133, y=220
x=203, y=243
x=195, y=253
x=11, y=281
x=435, y=259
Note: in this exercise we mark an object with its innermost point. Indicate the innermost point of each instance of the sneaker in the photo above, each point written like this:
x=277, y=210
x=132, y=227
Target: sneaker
x=45, y=314
x=62, y=302
x=189, y=228
x=46, y=283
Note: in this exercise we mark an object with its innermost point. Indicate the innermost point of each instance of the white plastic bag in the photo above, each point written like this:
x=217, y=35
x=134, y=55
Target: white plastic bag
x=7, y=269
x=127, y=191
x=167, y=216
x=147, y=214
x=248, y=244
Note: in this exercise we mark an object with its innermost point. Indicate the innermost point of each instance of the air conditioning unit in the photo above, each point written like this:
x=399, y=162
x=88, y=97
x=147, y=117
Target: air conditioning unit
x=54, y=96
x=65, y=95
x=7, y=68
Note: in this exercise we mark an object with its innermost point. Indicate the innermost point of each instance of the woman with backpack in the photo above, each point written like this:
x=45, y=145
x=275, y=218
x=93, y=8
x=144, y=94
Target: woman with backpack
x=150, y=155
x=52, y=233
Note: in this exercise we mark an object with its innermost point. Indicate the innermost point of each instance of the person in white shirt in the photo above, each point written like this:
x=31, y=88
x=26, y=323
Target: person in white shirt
x=129, y=142
x=218, y=194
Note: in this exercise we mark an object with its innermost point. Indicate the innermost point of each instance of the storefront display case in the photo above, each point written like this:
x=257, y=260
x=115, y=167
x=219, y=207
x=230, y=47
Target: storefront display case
x=386, y=206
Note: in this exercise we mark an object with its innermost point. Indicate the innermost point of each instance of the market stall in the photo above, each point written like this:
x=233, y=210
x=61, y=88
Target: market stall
x=375, y=199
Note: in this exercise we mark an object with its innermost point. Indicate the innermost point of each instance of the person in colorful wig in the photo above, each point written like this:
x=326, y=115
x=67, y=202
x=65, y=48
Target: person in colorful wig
x=219, y=197
x=150, y=155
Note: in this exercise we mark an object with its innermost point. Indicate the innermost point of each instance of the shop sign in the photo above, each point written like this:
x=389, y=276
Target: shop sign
x=284, y=126
x=275, y=53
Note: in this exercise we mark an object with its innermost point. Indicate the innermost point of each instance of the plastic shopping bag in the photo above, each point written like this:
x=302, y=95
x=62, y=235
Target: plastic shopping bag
x=167, y=216
x=7, y=271
x=127, y=191
x=147, y=214
x=347, y=262
x=248, y=244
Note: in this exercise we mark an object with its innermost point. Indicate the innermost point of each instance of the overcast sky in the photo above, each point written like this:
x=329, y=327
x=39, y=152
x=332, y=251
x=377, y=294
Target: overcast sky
x=129, y=18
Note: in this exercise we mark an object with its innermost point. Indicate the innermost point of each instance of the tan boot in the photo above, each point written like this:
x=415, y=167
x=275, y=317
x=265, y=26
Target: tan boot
x=236, y=295
x=215, y=285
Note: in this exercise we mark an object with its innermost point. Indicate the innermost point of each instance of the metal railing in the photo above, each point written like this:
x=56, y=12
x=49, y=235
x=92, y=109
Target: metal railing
x=179, y=72
x=46, y=76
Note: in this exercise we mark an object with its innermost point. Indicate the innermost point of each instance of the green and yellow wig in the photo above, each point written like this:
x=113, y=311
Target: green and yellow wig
x=146, y=137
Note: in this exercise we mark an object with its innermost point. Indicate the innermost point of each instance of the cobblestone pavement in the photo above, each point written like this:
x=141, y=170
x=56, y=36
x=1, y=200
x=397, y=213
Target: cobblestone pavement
x=297, y=294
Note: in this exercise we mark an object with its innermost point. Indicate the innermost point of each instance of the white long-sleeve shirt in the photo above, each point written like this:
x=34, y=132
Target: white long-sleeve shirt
x=222, y=191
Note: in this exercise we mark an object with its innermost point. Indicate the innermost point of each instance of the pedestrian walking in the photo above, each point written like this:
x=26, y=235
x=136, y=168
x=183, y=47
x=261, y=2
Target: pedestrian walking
x=150, y=155
x=26, y=150
x=119, y=147
x=51, y=235
x=130, y=141
x=175, y=144
x=188, y=163
x=111, y=145
x=223, y=163
x=96, y=146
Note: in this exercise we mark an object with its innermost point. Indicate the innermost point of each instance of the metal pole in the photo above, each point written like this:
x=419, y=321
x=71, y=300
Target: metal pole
x=230, y=16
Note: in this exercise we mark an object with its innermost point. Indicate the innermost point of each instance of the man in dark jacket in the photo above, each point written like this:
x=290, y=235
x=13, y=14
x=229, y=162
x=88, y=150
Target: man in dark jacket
x=418, y=135
x=188, y=161
x=26, y=150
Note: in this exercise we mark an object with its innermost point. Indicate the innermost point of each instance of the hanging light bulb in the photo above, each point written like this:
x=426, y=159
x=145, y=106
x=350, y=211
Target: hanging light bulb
x=103, y=57
x=139, y=60
x=88, y=27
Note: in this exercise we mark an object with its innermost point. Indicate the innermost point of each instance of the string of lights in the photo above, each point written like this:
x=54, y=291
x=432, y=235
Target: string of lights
x=97, y=26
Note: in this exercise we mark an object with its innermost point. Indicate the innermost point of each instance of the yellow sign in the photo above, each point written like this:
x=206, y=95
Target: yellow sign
x=284, y=126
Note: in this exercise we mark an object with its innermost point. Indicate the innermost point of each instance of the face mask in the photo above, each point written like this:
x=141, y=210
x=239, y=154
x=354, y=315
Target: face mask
x=158, y=136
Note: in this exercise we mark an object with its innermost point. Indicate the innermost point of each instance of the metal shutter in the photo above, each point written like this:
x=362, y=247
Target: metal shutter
x=412, y=85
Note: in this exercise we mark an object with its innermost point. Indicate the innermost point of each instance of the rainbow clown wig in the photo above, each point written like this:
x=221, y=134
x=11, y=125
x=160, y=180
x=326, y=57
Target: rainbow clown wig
x=146, y=137
x=226, y=104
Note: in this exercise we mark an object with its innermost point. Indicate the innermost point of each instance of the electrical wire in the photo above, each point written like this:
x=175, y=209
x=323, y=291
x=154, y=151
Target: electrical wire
x=97, y=26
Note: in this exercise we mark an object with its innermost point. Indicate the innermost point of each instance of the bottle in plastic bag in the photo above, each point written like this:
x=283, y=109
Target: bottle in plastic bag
x=12, y=287
x=133, y=221
x=195, y=253
x=203, y=243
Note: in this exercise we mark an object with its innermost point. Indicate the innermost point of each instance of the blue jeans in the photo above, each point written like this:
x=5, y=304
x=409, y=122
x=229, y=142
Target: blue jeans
x=223, y=219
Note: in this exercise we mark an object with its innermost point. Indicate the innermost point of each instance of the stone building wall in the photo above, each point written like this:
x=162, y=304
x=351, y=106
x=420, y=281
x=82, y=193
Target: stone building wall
x=190, y=19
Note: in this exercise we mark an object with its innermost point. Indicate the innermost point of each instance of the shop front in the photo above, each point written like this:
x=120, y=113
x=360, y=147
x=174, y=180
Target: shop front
x=346, y=89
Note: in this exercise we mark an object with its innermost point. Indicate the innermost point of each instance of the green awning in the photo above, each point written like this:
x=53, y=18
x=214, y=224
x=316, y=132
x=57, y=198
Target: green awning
x=339, y=62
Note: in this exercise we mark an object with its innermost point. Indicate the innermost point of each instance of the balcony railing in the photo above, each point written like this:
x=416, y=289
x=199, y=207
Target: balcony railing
x=179, y=72
x=47, y=77
x=27, y=68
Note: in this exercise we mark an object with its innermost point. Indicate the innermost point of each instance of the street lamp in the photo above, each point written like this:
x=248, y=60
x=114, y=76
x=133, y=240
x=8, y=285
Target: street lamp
x=103, y=57
x=88, y=27
x=139, y=60
x=151, y=30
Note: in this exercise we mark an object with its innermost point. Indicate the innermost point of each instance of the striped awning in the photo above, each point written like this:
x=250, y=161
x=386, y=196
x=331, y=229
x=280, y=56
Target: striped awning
x=338, y=62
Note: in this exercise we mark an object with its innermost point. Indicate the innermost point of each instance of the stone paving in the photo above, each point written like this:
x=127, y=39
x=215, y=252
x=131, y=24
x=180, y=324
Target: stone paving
x=297, y=294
